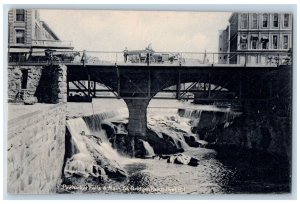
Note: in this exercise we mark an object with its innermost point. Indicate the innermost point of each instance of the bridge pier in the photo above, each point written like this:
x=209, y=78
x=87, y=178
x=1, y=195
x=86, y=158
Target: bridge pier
x=137, y=121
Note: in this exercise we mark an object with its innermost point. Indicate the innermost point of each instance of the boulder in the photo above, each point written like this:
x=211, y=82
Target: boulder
x=171, y=159
x=115, y=173
x=193, y=162
x=165, y=145
x=191, y=141
x=182, y=159
x=82, y=165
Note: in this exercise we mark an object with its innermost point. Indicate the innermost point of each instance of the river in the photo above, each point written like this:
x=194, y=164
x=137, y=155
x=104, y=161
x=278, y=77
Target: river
x=215, y=174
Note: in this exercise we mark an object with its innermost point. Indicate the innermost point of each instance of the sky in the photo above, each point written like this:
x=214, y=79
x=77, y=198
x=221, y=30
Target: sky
x=96, y=30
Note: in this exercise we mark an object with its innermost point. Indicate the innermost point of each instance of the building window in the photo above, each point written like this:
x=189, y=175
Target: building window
x=244, y=21
x=254, y=43
x=254, y=21
x=275, y=42
x=265, y=20
x=24, y=79
x=243, y=42
x=243, y=46
x=20, y=36
x=286, y=20
x=285, y=42
x=275, y=20
x=265, y=42
x=20, y=14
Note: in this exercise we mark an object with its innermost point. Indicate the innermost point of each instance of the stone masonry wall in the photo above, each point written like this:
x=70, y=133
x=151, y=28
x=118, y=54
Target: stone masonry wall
x=47, y=84
x=35, y=151
x=62, y=84
x=15, y=92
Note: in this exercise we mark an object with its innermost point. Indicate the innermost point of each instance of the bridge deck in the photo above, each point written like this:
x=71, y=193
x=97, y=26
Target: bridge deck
x=169, y=65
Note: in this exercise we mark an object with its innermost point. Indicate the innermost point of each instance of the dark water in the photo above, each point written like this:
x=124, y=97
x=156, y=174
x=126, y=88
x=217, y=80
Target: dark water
x=213, y=175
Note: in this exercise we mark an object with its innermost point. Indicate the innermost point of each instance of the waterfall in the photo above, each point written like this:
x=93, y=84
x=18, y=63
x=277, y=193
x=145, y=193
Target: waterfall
x=189, y=113
x=94, y=121
x=81, y=161
x=92, y=147
x=94, y=139
x=77, y=127
x=149, y=149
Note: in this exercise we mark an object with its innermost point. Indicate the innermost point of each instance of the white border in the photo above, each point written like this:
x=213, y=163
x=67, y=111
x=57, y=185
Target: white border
x=214, y=5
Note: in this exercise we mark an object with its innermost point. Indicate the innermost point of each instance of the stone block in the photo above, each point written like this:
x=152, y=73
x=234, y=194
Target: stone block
x=30, y=100
x=29, y=165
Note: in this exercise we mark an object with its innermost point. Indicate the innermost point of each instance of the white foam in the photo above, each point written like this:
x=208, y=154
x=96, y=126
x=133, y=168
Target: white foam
x=149, y=149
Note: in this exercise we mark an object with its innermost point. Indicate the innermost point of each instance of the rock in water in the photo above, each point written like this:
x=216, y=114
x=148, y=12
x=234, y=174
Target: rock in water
x=182, y=159
x=81, y=165
x=171, y=159
x=193, y=162
x=191, y=141
x=115, y=173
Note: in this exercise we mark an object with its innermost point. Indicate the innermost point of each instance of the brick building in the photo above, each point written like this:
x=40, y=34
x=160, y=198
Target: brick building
x=256, y=38
x=28, y=39
x=28, y=36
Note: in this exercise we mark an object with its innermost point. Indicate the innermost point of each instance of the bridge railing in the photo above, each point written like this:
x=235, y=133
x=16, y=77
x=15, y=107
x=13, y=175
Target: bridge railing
x=167, y=58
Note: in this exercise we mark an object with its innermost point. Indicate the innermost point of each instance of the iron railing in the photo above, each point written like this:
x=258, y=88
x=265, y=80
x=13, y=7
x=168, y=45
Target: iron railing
x=157, y=58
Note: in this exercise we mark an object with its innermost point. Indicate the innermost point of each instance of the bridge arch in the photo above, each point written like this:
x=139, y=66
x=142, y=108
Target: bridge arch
x=194, y=90
x=137, y=85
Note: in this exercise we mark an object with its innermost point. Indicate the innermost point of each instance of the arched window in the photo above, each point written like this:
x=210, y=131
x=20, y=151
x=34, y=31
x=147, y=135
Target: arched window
x=285, y=42
x=265, y=42
x=265, y=20
x=254, y=21
x=286, y=20
x=244, y=21
x=20, y=36
x=20, y=14
x=275, y=20
x=275, y=41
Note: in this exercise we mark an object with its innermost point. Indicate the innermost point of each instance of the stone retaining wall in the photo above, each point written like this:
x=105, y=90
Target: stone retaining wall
x=35, y=151
x=45, y=83
x=15, y=91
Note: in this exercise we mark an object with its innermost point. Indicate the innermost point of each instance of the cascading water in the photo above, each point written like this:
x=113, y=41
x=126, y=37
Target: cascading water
x=89, y=140
x=92, y=152
x=149, y=149
x=81, y=161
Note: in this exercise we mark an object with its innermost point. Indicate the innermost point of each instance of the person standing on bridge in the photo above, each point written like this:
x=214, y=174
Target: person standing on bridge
x=83, y=59
x=125, y=54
